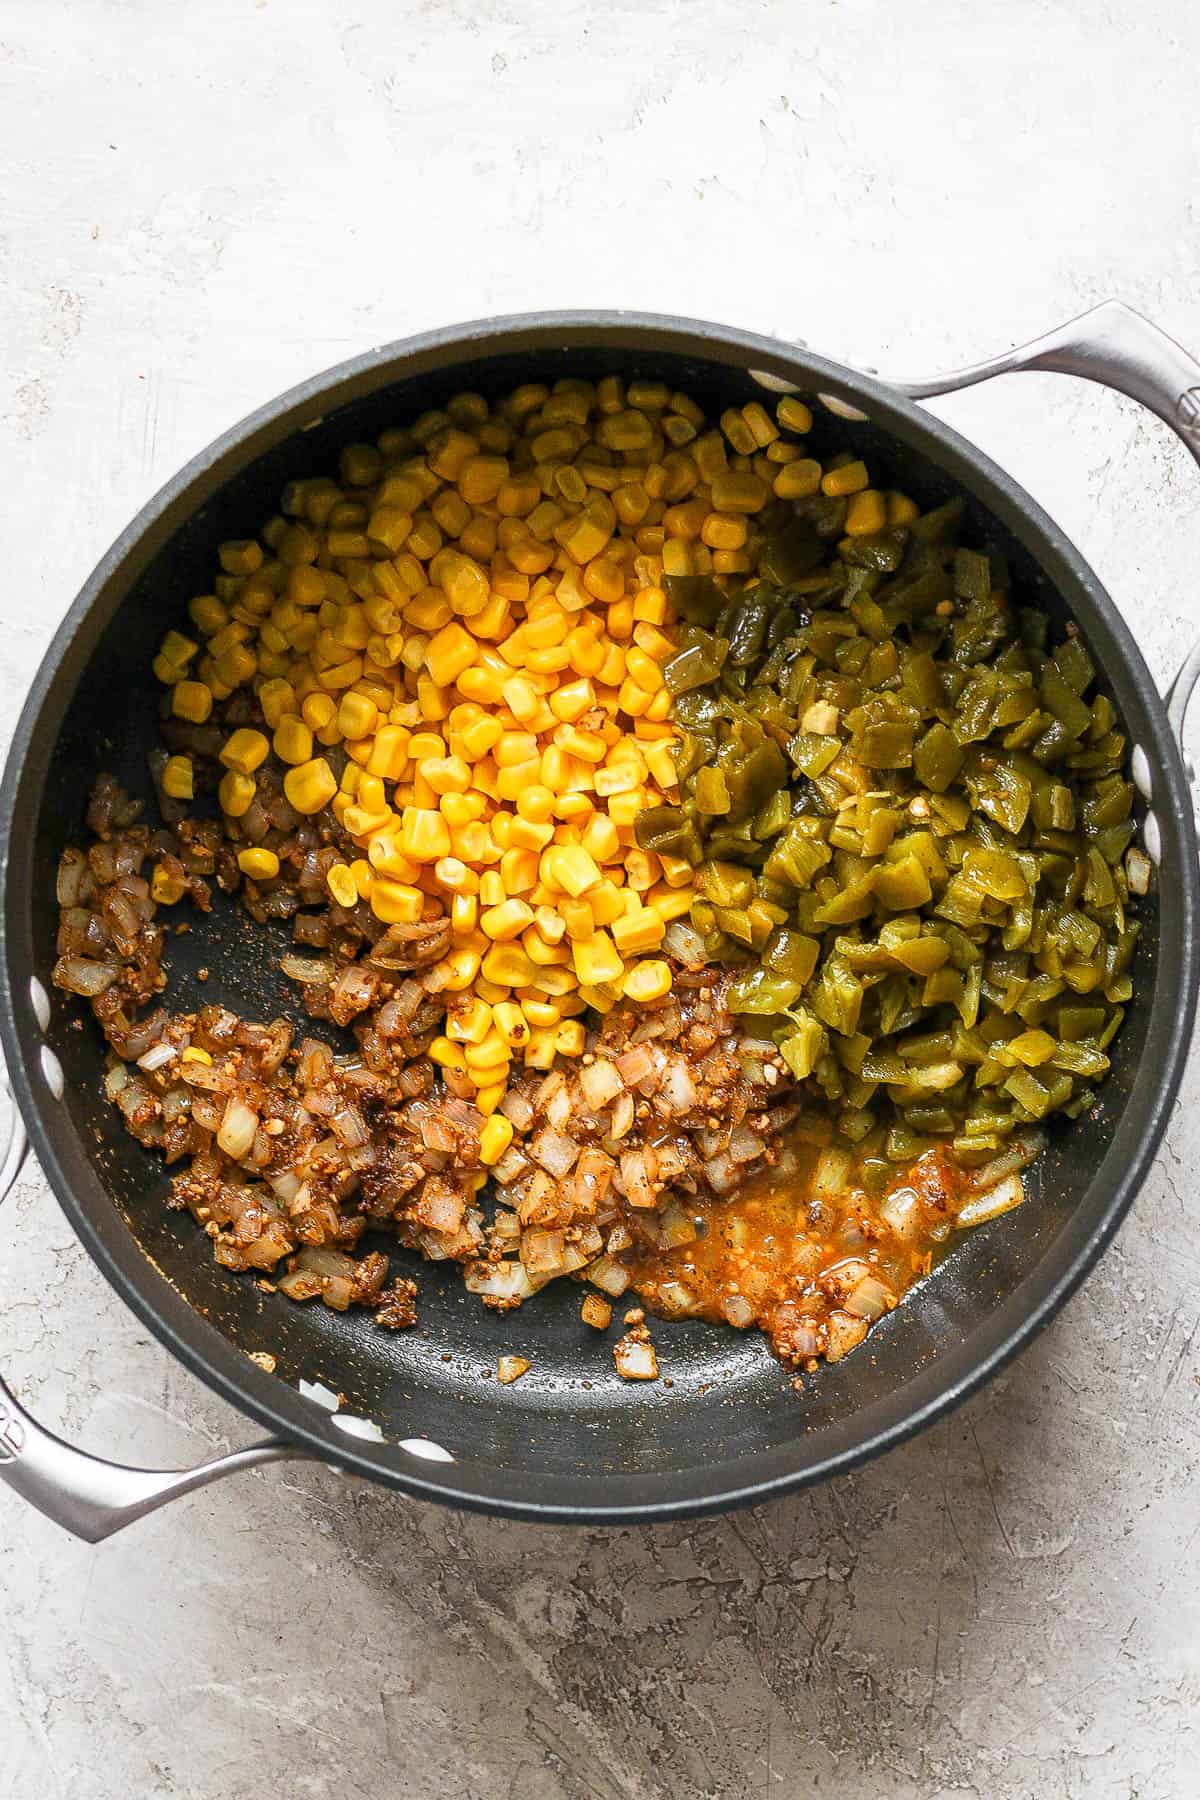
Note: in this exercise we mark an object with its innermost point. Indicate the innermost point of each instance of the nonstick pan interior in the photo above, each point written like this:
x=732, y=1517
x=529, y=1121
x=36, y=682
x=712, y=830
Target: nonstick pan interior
x=570, y=1434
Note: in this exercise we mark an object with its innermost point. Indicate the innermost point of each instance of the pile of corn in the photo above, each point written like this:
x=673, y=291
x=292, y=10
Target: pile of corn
x=475, y=614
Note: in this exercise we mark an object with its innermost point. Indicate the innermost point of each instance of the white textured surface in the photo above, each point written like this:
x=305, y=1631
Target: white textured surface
x=203, y=205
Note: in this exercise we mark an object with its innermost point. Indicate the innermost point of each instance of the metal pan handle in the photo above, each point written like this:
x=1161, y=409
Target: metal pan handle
x=86, y=1494
x=1117, y=347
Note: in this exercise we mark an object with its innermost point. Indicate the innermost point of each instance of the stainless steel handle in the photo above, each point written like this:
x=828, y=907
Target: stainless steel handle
x=1117, y=347
x=86, y=1494
x=1113, y=345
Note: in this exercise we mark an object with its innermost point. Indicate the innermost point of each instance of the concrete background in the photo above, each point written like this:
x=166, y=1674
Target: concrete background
x=203, y=205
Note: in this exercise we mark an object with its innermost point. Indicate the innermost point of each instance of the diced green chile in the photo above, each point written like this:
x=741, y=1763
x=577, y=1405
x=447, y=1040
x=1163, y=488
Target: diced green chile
x=908, y=810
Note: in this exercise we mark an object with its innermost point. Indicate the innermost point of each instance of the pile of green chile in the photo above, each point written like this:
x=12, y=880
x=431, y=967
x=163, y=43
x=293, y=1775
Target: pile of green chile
x=912, y=830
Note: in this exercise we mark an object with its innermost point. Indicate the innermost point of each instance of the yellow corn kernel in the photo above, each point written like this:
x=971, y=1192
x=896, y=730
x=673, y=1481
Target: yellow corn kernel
x=448, y=1055
x=569, y=867
x=236, y=792
x=512, y=779
x=310, y=786
x=191, y=700
x=426, y=743
x=623, y=809
x=585, y=651
x=389, y=752
x=670, y=903
x=278, y=700
x=901, y=510
x=544, y=955
x=521, y=698
x=577, y=920
x=460, y=968
x=607, y=902
x=574, y=807
x=515, y=747
x=491, y=888
x=648, y=980
x=385, y=857
x=293, y=741
x=453, y=875
x=542, y=1014
x=207, y=614
x=762, y=427
x=733, y=491
x=511, y=1023
x=589, y=746
x=464, y=913
x=600, y=838
x=612, y=670
x=177, y=778
x=356, y=715
x=165, y=888
x=451, y=652
x=488, y=1052
x=866, y=513
x=494, y=1139
x=723, y=531
x=342, y=885
x=554, y=980
x=194, y=1054
x=260, y=865
x=487, y=1099
x=633, y=699
x=490, y=991
x=550, y=924
x=507, y=965
x=535, y=803
x=569, y=1038
x=793, y=415
x=424, y=834
x=318, y=711
x=341, y=675
x=574, y=698
x=481, y=736
x=446, y=774
x=540, y=1051
x=472, y=842
x=851, y=478
x=797, y=480
x=364, y=876
x=506, y=921
x=177, y=650
x=395, y=903
x=245, y=751
x=236, y=666
x=650, y=606
x=597, y=960
x=637, y=931
x=360, y=821
x=428, y=611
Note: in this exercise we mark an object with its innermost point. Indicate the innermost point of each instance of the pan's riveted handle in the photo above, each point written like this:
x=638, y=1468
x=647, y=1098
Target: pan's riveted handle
x=1113, y=345
x=86, y=1494
x=1121, y=349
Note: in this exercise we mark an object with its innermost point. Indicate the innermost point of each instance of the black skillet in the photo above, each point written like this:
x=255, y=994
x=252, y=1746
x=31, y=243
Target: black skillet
x=570, y=1441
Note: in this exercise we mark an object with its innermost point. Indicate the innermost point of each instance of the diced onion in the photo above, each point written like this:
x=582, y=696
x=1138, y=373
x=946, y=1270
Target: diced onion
x=996, y=1200
x=635, y=1360
x=238, y=1127
x=610, y=1276
x=80, y=976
